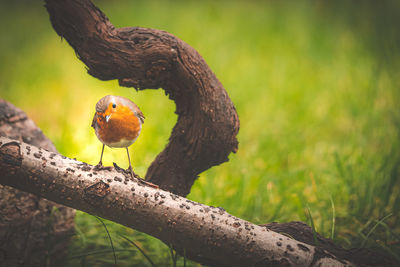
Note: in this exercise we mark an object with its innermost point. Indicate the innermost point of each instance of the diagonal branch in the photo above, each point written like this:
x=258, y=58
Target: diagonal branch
x=205, y=133
x=205, y=232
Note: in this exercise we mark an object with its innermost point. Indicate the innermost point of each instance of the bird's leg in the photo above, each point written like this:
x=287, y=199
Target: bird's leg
x=133, y=175
x=100, y=164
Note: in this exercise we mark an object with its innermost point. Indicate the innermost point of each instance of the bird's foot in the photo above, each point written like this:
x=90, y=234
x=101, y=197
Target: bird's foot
x=140, y=180
x=132, y=173
x=100, y=167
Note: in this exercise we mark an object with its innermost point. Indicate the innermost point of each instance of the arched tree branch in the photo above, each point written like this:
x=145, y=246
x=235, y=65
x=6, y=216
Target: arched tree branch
x=205, y=133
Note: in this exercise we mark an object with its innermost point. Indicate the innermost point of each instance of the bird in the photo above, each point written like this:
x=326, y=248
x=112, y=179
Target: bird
x=117, y=123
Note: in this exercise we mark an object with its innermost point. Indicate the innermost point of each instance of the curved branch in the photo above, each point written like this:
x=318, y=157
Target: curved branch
x=205, y=232
x=205, y=133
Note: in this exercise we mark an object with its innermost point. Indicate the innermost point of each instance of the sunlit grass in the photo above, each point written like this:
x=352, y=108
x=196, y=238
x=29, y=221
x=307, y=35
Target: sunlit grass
x=319, y=113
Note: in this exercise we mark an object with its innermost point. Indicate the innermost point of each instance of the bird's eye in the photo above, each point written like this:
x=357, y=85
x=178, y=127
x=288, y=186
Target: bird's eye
x=114, y=105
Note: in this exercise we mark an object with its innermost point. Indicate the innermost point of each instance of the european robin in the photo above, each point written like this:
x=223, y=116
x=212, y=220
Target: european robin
x=117, y=123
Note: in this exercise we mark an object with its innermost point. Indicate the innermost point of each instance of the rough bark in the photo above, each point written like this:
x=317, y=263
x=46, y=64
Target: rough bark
x=32, y=230
x=359, y=256
x=205, y=133
x=206, y=233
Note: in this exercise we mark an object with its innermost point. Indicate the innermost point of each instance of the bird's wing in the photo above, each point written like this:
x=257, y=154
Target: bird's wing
x=134, y=108
x=94, y=121
x=140, y=114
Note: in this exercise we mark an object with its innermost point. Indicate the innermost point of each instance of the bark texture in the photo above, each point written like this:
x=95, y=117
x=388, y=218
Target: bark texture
x=205, y=232
x=205, y=133
x=32, y=230
x=359, y=256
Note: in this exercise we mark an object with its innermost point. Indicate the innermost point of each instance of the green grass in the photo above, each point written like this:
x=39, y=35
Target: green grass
x=316, y=87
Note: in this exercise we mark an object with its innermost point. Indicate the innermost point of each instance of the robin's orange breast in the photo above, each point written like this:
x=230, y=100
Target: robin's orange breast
x=122, y=128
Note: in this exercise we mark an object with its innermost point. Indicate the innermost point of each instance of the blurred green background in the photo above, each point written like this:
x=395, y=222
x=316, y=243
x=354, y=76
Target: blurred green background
x=316, y=86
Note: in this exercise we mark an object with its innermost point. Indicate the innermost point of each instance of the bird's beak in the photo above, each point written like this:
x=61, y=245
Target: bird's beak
x=108, y=117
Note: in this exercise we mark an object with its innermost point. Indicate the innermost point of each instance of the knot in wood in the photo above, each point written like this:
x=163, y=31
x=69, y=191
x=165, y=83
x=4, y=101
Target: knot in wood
x=10, y=153
x=96, y=191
